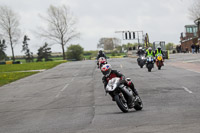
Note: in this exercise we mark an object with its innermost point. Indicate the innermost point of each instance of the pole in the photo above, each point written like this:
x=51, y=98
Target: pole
x=138, y=38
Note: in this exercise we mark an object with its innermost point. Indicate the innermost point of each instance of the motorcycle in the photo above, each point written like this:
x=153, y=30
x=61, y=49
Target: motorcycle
x=141, y=61
x=102, y=61
x=159, y=61
x=123, y=95
x=150, y=63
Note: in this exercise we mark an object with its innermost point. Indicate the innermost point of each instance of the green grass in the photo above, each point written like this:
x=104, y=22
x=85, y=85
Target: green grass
x=29, y=66
x=8, y=73
x=117, y=55
x=35, y=59
x=6, y=78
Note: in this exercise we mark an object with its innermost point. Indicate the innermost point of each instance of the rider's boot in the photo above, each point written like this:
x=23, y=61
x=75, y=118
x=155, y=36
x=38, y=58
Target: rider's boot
x=133, y=89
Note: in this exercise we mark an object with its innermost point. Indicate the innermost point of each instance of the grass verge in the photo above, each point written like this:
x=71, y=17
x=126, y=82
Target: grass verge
x=6, y=78
x=9, y=73
x=29, y=66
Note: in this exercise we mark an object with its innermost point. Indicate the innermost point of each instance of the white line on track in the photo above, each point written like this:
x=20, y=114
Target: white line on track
x=72, y=79
x=76, y=74
x=192, y=70
x=58, y=94
x=121, y=66
x=192, y=61
x=62, y=90
x=64, y=87
x=186, y=89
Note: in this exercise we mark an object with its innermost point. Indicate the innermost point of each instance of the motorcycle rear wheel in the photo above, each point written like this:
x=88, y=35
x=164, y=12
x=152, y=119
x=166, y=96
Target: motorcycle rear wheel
x=121, y=104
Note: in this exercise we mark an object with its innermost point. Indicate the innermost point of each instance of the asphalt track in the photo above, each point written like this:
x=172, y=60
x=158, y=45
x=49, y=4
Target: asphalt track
x=70, y=99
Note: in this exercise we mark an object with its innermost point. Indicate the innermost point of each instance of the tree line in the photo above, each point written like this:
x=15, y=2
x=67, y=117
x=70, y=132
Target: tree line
x=60, y=30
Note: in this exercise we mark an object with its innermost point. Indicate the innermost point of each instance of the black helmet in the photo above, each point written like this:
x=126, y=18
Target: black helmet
x=100, y=52
x=150, y=49
x=159, y=48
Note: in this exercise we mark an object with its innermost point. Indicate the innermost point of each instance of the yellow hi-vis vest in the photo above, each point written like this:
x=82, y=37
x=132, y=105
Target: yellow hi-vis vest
x=157, y=52
x=149, y=54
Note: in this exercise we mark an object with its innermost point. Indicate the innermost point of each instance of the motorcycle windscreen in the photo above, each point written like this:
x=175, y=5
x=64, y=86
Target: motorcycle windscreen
x=159, y=57
x=112, y=84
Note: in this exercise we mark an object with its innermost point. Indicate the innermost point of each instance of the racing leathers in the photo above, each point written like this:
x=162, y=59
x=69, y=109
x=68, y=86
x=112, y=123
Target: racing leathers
x=140, y=52
x=115, y=73
x=100, y=55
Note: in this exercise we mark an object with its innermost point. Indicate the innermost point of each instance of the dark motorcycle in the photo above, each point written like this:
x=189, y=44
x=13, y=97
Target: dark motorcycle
x=150, y=63
x=123, y=95
x=141, y=61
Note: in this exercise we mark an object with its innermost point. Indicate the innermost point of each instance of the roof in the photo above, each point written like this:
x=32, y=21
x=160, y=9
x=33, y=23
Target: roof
x=196, y=21
x=192, y=25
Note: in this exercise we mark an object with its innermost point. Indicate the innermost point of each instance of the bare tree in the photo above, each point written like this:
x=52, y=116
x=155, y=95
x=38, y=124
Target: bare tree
x=61, y=26
x=9, y=26
x=194, y=10
x=108, y=43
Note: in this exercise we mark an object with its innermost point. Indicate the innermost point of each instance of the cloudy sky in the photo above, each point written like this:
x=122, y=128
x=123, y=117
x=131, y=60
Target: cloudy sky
x=161, y=19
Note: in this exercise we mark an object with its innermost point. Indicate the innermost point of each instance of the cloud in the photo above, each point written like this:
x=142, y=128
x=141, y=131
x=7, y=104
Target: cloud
x=163, y=20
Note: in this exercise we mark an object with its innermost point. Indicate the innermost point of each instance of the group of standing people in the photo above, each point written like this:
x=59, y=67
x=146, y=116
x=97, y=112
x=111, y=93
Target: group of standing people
x=195, y=48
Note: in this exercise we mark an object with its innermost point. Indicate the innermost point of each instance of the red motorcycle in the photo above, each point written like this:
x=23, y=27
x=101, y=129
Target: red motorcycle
x=102, y=61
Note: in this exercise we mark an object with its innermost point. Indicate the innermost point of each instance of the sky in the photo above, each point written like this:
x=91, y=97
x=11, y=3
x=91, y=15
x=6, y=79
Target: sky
x=163, y=20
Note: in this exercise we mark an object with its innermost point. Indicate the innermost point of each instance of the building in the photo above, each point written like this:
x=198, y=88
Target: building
x=191, y=36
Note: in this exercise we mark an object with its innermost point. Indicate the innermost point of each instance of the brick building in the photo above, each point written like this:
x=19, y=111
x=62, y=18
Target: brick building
x=191, y=36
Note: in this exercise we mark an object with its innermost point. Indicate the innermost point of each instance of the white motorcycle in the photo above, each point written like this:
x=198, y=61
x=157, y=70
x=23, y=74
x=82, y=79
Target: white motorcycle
x=150, y=63
x=123, y=95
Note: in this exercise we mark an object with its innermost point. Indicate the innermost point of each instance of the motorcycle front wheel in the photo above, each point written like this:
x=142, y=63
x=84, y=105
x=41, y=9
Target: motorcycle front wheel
x=149, y=69
x=138, y=104
x=159, y=65
x=121, y=103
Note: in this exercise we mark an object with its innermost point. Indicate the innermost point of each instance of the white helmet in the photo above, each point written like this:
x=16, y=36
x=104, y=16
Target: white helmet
x=158, y=47
x=106, y=70
x=140, y=48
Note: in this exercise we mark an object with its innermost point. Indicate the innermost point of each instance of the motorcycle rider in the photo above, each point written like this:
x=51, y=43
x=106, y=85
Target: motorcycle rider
x=109, y=74
x=149, y=52
x=101, y=54
x=140, y=51
x=158, y=51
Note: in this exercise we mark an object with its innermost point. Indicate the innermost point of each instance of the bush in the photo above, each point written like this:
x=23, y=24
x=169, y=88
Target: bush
x=74, y=52
x=113, y=53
